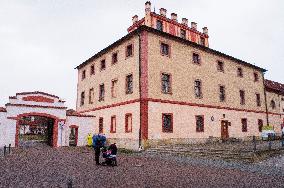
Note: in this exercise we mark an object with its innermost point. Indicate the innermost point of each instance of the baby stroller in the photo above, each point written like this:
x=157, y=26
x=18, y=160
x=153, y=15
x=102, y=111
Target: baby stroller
x=110, y=155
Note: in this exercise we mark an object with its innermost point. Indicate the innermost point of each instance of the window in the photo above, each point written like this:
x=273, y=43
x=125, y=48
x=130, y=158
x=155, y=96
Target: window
x=128, y=123
x=240, y=72
x=129, y=50
x=159, y=25
x=195, y=58
x=260, y=125
x=255, y=77
x=242, y=97
x=167, y=123
x=113, y=124
x=101, y=125
x=83, y=74
x=165, y=49
x=91, y=96
x=166, y=83
x=258, y=103
x=103, y=64
x=222, y=93
x=102, y=92
x=199, y=123
x=114, y=88
x=202, y=41
x=129, y=84
x=114, y=58
x=92, y=70
x=220, y=66
x=183, y=34
x=82, y=98
x=272, y=104
x=244, y=125
x=197, y=89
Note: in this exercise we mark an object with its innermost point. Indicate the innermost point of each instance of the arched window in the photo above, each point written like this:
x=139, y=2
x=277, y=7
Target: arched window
x=272, y=104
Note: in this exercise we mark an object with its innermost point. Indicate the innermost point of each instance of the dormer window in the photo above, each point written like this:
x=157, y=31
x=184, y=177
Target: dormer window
x=159, y=25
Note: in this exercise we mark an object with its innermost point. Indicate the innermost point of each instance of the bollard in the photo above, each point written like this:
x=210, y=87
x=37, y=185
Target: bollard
x=4, y=150
x=9, y=148
x=69, y=183
x=254, y=143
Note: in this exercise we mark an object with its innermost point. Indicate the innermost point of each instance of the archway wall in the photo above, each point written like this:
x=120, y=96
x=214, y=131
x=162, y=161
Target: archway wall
x=7, y=130
x=85, y=124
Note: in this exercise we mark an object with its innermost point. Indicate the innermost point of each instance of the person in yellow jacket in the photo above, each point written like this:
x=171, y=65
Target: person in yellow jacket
x=89, y=140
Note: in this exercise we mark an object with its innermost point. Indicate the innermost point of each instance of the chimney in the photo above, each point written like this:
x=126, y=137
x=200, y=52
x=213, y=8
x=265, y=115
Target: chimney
x=163, y=12
x=194, y=25
x=184, y=21
x=205, y=30
x=134, y=19
x=174, y=16
x=147, y=7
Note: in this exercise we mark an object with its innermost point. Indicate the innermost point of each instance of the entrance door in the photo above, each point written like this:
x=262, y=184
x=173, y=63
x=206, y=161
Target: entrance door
x=224, y=130
x=73, y=137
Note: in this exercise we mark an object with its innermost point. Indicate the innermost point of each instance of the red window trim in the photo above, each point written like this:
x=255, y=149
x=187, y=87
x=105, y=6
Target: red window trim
x=255, y=77
x=127, y=130
x=258, y=103
x=113, y=126
x=91, y=99
x=199, y=57
x=126, y=84
x=132, y=54
x=201, y=93
x=170, y=49
x=202, y=130
x=172, y=124
x=92, y=67
x=113, y=63
x=244, y=129
x=219, y=70
x=242, y=72
x=171, y=83
x=112, y=88
x=101, y=130
x=102, y=99
x=102, y=69
x=83, y=75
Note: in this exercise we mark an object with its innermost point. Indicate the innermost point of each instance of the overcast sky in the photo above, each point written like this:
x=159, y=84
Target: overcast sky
x=41, y=41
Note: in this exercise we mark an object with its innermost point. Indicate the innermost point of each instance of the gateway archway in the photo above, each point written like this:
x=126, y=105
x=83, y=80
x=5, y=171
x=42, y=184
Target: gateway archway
x=36, y=128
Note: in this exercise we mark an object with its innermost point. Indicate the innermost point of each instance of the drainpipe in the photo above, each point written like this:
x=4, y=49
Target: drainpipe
x=265, y=100
x=140, y=95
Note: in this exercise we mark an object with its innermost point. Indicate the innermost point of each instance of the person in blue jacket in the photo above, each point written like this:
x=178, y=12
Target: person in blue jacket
x=99, y=141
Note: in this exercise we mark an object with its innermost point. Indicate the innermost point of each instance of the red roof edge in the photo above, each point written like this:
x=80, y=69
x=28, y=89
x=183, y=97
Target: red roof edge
x=274, y=86
x=71, y=112
x=37, y=92
x=2, y=109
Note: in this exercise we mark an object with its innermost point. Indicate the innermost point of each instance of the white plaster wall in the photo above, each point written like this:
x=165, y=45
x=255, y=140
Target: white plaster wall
x=14, y=111
x=86, y=125
x=7, y=130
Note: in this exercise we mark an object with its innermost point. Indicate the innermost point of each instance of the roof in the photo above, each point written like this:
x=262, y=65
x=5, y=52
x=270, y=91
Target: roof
x=36, y=92
x=2, y=109
x=274, y=86
x=71, y=112
x=152, y=30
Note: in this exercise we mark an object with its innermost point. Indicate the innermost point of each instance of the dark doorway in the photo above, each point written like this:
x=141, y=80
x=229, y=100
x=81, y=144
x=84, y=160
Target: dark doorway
x=35, y=131
x=73, y=137
x=224, y=130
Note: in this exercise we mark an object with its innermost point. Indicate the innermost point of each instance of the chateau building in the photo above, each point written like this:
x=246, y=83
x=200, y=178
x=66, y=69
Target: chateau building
x=162, y=83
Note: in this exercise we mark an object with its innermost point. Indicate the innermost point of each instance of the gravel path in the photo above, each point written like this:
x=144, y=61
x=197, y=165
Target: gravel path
x=48, y=167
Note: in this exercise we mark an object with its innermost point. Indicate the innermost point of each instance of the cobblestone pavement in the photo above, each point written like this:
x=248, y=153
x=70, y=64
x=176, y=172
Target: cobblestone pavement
x=48, y=167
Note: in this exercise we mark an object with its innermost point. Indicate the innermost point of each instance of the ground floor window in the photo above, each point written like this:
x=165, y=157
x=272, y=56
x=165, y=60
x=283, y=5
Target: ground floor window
x=167, y=120
x=199, y=123
x=101, y=125
x=113, y=124
x=128, y=123
x=260, y=125
x=244, y=125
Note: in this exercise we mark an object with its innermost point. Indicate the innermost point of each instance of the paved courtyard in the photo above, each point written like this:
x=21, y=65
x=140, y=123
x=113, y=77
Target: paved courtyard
x=48, y=167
